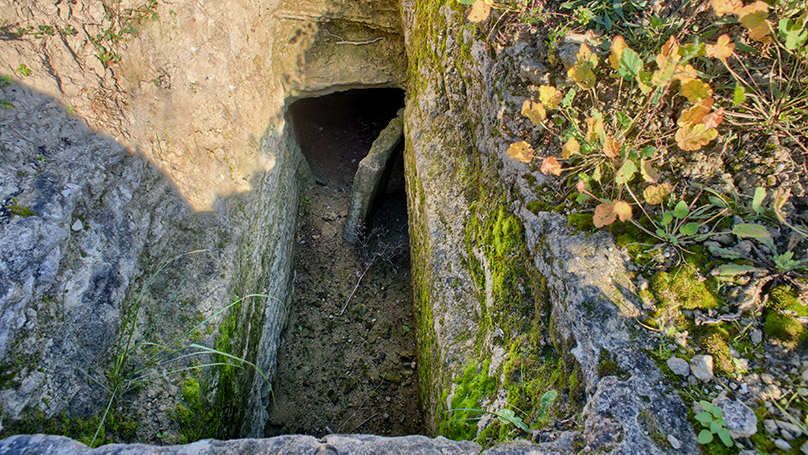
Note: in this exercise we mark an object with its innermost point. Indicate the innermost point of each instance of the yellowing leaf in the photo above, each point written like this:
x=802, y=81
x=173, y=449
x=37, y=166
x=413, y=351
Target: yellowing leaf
x=618, y=46
x=722, y=7
x=649, y=174
x=583, y=72
x=610, y=147
x=521, y=151
x=572, y=147
x=714, y=119
x=534, y=111
x=753, y=17
x=693, y=137
x=622, y=209
x=594, y=129
x=550, y=165
x=669, y=52
x=696, y=90
x=604, y=215
x=685, y=73
x=695, y=114
x=479, y=11
x=655, y=194
x=550, y=96
x=580, y=186
x=722, y=49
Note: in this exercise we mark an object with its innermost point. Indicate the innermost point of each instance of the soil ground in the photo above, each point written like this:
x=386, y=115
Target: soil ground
x=351, y=371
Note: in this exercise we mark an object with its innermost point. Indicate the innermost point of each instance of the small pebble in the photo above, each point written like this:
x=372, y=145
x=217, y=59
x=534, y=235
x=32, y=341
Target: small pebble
x=674, y=442
x=782, y=444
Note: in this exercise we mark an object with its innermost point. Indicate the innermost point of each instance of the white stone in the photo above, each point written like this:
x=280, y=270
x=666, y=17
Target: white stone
x=678, y=366
x=740, y=418
x=702, y=367
x=675, y=442
x=781, y=444
x=77, y=225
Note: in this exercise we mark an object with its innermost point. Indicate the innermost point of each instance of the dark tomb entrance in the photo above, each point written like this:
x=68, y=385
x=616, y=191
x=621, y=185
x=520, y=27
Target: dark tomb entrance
x=346, y=363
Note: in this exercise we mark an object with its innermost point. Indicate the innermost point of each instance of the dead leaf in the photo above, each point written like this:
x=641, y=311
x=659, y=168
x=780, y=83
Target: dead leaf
x=604, y=215
x=622, y=209
x=571, y=147
x=649, y=174
x=693, y=137
x=695, y=114
x=534, y=111
x=594, y=129
x=714, y=119
x=521, y=151
x=696, y=90
x=655, y=194
x=581, y=186
x=722, y=49
x=618, y=46
x=480, y=11
x=753, y=17
x=610, y=147
x=722, y=7
x=550, y=96
x=550, y=165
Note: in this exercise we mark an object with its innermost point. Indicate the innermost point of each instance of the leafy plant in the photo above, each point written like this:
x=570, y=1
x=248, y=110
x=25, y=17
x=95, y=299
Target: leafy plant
x=23, y=70
x=129, y=373
x=713, y=419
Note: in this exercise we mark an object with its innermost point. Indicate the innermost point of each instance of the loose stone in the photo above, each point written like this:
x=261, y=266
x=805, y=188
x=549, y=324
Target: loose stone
x=678, y=366
x=702, y=367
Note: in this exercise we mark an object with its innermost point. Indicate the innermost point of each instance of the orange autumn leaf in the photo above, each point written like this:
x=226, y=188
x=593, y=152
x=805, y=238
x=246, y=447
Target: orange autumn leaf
x=571, y=147
x=480, y=11
x=685, y=73
x=618, y=46
x=722, y=7
x=610, y=147
x=753, y=17
x=550, y=165
x=714, y=119
x=695, y=114
x=670, y=51
x=693, y=137
x=622, y=209
x=550, y=96
x=534, y=111
x=604, y=215
x=696, y=90
x=722, y=49
x=581, y=186
x=521, y=151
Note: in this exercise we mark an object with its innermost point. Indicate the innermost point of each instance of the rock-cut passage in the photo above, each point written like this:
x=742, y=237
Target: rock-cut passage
x=347, y=358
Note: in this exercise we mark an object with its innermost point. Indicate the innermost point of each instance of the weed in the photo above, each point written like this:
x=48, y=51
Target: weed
x=128, y=373
x=713, y=419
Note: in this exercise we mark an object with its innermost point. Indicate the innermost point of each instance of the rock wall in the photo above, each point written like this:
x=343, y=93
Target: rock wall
x=473, y=214
x=139, y=131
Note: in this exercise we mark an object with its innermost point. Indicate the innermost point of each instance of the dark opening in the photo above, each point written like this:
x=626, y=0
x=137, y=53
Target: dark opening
x=350, y=371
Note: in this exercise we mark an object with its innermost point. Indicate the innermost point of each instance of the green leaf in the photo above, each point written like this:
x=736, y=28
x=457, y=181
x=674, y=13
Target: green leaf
x=691, y=50
x=624, y=119
x=715, y=426
x=732, y=269
x=704, y=417
x=667, y=217
x=689, y=229
x=738, y=95
x=757, y=200
x=681, y=210
x=625, y=173
x=23, y=70
x=660, y=233
x=746, y=48
x=724, y=253
x=718, y=202
x=567, y=100
x=705, y=437
x=5, y=79
x=466, y=2
x=630, y=64
x=6, y=104
x=20, y=210
x=725, y=437
x=596, y=174
x=793, y=32
x=754, y=231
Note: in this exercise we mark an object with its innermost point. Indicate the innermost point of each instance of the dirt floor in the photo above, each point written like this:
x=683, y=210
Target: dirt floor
x=347, y=366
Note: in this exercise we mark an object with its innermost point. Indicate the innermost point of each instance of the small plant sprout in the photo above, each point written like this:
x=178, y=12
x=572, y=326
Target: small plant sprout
x=713, y=419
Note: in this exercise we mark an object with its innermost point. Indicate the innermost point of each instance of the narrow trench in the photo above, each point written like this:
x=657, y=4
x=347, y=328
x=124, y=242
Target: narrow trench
x=352, y=372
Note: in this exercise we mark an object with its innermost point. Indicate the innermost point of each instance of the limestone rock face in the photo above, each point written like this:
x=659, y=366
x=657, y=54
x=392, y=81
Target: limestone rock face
x=175, y=142
x=463, y=111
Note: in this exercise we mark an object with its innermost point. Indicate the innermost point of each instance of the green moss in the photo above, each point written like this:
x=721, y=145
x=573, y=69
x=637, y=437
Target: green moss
x=581, y=221
x=784, y=327
x=784, y=297
x=459, y=423
x=716, y=345
x=536, y=206
x=117, y=428
x=650, y=427
x=681, y=288
x=608, y=367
